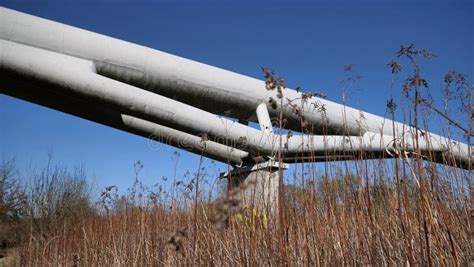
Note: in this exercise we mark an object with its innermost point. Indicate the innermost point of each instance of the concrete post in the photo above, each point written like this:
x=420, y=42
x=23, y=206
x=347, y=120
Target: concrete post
x=256, y=186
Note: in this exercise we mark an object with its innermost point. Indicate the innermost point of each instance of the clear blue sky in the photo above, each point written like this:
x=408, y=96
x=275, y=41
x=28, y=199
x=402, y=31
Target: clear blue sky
x=307, y=43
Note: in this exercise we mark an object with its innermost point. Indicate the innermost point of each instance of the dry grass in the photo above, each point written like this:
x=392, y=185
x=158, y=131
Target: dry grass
x=327, y=223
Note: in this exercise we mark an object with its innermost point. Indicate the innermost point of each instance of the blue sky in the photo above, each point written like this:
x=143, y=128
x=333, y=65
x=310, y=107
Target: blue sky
x=307, y=43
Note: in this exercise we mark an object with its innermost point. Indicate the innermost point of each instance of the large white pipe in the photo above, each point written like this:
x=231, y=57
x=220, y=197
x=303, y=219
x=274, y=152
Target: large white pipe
x=98, y=113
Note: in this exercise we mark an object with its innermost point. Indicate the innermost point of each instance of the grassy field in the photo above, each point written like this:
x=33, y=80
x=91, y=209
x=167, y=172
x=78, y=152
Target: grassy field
x=340, y=218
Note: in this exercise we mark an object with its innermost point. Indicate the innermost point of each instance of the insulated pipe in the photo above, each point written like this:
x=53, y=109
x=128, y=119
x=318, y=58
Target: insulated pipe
x=28, y=91
x=76, y=77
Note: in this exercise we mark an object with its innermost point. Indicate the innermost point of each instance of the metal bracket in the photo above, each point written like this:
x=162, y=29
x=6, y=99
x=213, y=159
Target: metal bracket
x=268, y=165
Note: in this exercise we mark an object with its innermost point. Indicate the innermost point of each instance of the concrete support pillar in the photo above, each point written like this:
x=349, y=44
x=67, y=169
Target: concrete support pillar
x=256, y=186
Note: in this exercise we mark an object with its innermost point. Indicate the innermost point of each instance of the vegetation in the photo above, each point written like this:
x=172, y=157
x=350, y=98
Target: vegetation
x=404, y=211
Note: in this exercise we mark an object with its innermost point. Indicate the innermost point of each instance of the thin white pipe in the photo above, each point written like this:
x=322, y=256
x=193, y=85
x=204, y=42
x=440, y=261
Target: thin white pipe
x=264, y=118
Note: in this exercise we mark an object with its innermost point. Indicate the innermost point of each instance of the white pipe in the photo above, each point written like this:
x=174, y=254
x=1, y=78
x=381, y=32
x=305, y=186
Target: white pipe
x=264, y=118
x=98, y=113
